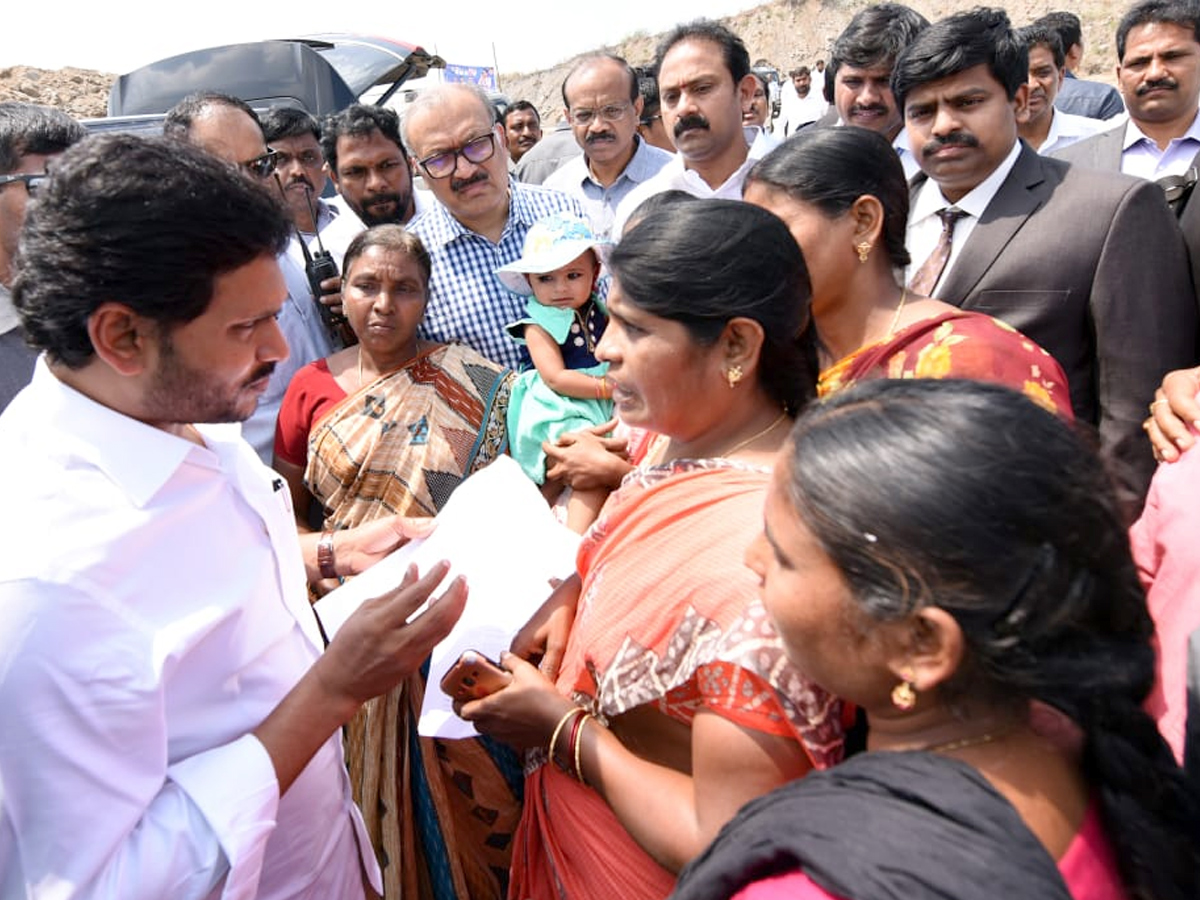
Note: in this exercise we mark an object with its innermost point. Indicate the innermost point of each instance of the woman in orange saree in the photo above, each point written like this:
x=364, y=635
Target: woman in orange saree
x=672, y=703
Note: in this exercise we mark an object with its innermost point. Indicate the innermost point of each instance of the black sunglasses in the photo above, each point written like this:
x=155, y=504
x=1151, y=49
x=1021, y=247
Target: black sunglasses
x=262, y=166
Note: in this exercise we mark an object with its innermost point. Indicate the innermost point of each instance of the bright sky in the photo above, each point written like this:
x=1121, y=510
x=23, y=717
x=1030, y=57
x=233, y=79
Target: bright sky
x=120, y=35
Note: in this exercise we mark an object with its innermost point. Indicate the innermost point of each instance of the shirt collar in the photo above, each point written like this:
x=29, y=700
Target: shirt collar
x=930, y=199
x=138, y=458
x=443, y=228
x=1135, y=135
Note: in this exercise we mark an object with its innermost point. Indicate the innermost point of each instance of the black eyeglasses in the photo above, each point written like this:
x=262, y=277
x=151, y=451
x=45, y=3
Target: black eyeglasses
x=262, y=166
x=477, y=150
x=32, y=180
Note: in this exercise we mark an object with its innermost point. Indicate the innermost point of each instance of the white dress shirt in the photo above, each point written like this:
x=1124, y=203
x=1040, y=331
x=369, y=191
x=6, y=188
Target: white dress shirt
x=1066, y=129
x=154, y=613
x=1141, y=156
x=925, y=227
x=675, y=176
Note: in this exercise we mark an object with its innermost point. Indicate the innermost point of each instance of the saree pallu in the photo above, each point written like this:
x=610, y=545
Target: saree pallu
x=441, y=813
x=959, y=344
x=668, y=615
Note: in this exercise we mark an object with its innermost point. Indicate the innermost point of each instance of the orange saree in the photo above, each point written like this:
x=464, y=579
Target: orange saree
x=668, y=616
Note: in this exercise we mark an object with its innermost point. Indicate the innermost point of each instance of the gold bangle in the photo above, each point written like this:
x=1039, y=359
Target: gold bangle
x=578, y=748
x=559, y=727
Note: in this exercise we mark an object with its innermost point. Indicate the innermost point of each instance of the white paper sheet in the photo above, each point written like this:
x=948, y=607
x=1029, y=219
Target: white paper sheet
x=496, y=530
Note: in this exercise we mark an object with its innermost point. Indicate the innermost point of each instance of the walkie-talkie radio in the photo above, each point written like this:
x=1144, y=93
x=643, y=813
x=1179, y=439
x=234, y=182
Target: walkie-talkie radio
x=318, y=267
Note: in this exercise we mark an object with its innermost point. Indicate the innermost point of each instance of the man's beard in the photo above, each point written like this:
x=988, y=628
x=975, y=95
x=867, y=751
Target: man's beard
x=395, y=217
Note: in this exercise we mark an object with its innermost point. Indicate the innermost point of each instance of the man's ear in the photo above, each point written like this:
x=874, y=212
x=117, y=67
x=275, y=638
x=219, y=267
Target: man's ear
x=928, y=649
x=332, y=176
x=121, y=338
x=745, y=90
x=1020, y=102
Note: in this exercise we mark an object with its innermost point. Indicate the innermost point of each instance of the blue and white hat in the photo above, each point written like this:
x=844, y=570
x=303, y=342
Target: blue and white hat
x=551, y=243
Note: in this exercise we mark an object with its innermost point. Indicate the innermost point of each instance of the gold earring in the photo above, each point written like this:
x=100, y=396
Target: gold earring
x=733, y=375
x=864, y=251
x=904, y=695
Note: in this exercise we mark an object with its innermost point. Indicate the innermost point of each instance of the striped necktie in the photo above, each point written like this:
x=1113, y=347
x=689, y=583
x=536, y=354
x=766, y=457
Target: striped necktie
x=926, y=279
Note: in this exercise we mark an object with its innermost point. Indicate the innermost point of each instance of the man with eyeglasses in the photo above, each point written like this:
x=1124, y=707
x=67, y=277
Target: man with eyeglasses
x=224, y=126
x=704, y=83
x=603, y=105
x=479, y=222
x=30, y=136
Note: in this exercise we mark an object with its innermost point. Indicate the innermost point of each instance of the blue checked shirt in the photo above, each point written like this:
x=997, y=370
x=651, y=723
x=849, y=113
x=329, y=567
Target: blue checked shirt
x=467, y=302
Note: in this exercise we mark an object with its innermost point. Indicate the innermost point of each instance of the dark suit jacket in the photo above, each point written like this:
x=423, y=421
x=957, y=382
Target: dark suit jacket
x=1091, y=265
x=1100, y=151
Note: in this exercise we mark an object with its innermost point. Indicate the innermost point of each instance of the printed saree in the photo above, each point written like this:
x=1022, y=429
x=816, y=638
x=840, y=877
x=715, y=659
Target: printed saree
x=669, y=617
x=440, y=813
x=959, y=344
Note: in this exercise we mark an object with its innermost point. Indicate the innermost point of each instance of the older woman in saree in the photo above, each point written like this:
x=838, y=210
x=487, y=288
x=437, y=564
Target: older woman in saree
x=842, y=193
x=672, y=703
x=985, y=612
x=393, y=425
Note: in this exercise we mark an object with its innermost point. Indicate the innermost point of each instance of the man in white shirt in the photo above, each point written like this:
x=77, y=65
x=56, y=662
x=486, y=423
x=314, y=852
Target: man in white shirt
x=1088, y=264
x=169, y=726
x=1047, y=129
x=704, y=83
x=603, y=105
x=293, y=136
x=860, y=72
x=802, y=103
x=1158, y=45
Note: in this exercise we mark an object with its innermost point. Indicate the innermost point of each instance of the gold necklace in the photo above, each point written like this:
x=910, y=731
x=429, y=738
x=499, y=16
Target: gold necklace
x=896, y=318
x=754, y=437
x=949, y=746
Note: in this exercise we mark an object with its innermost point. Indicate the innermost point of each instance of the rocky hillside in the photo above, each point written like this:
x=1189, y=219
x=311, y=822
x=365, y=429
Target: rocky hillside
x=790, y=32
x=785, y=32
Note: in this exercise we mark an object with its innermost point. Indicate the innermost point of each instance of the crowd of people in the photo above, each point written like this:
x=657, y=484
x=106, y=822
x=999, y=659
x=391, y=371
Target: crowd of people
x=885, y=583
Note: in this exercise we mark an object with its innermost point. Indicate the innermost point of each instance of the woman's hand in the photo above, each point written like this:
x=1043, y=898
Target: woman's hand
x=522, y=714
x=588, y=459
x=1173, y=410
x=543, y=639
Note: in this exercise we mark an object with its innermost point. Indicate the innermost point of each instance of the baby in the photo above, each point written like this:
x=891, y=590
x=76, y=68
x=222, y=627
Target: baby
x=566, y=389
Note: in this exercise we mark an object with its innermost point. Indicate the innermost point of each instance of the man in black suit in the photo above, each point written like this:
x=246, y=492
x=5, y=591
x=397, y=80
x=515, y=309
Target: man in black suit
x=1089, y=264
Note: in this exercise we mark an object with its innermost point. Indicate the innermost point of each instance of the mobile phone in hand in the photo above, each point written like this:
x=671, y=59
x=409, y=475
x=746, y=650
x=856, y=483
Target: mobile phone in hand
x=474, y=676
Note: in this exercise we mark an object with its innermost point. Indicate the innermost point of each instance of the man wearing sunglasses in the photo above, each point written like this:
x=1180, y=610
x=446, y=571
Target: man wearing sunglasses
x=226, y=127
x=604, y=106
x=30, y=136
x=479, y=222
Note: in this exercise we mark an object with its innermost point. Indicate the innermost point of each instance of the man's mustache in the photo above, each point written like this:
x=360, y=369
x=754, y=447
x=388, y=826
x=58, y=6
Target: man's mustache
x=954, y=139
x=300, y=179
x=687, y=122
x=457, y=184
x=600, y=136
x=1145, y=87
x=263, y=371
x=858, y=109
